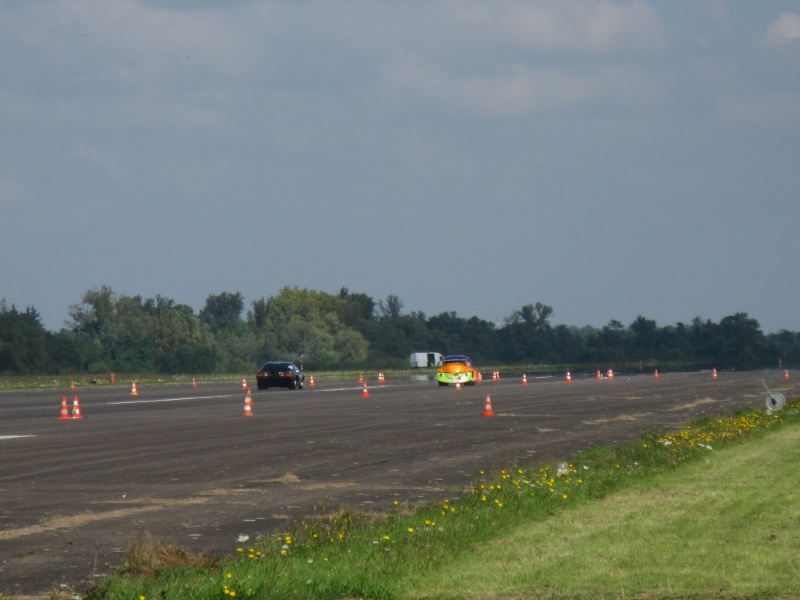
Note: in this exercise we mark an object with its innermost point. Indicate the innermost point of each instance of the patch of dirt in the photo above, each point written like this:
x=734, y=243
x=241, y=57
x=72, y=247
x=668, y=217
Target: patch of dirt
x=688, y=405
x=622, y=417
x=72, y=521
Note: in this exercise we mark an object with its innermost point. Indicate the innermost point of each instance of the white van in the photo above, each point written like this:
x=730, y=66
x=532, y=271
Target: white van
x=425, y=360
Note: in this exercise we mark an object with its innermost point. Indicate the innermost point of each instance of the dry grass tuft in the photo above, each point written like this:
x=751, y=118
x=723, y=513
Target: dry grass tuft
x=146, y=555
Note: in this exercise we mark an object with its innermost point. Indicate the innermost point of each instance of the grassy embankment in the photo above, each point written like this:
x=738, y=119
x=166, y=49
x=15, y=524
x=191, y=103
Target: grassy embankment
x=44, y=382
x=695, y=513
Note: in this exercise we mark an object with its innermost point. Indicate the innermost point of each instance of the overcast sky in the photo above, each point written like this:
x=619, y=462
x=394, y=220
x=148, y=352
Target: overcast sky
x=607, y=158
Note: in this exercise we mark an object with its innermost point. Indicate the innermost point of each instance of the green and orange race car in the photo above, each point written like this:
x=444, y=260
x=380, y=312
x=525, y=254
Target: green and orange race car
x=456, y=368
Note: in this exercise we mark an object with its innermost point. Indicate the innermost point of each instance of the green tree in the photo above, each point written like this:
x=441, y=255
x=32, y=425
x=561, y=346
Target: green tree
x=304, y=325
x=23, y=341
x=223, y=312
x=644, y=338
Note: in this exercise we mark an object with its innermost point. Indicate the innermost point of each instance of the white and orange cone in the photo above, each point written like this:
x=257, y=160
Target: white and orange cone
x=248, y=405
x=713, y=373
x=64, y=409
x=76, y=409
x=487, y=407
x=524, y=379
x=365, y=391
x=311, y=382
x=568, y=379
x=656, y=375
x=134, y=391
x=381, y=378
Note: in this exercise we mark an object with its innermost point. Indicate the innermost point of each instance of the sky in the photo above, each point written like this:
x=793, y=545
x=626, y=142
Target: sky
x=607, y=158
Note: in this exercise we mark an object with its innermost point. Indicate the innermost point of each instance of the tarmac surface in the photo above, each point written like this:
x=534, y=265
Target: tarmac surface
x=186, y=465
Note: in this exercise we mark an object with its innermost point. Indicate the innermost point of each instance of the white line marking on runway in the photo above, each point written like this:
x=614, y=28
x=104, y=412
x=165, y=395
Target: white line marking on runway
x=172, y=399
x=11, y=437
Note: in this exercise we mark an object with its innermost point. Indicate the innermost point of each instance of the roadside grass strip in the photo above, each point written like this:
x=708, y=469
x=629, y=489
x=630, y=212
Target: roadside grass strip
x=692, y=513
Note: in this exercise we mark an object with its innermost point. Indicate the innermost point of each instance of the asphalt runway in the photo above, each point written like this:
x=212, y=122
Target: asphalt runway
x=187, y=466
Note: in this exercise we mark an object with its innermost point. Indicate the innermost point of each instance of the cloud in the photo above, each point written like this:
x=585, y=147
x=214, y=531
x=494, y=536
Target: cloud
x=520, y=90
x=567, y=25
x=13, y=194
x=134, y=43
x=125, y=62
x=774, y=109
x=783, y=30
x=515, y=58
x=107, y=160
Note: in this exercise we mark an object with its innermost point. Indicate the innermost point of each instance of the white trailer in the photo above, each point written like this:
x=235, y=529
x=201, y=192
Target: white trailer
x=425, y=360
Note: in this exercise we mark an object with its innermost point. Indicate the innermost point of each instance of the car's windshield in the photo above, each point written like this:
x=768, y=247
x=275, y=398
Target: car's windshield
x=457, y=358
x=278, y=366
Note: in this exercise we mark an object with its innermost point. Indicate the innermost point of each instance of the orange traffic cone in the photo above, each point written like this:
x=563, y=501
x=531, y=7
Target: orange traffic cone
x=786, y=374
x=244, y=384
x=494, y=375
x=64, y=410
x=194, y=381
x=360, y=378
x=655, y=375
x=524, y=379
x=133, y=389
x=713, y=373
x=311, y=382
x=610, y=374
x=76, y=409
x=248, y=404
x=569, y=377
x=72, y=385
x=487, y=407
x=365, y=392
x=480, y=377
x=381, y=378
x=599, y=375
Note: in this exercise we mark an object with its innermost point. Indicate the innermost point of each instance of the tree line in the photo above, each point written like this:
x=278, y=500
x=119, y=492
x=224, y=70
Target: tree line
x=110, y=332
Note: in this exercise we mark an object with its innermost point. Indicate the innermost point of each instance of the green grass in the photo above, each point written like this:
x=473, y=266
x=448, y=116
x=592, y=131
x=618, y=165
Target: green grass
x=694, y=513
x=35, y=382
x=724, y=526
